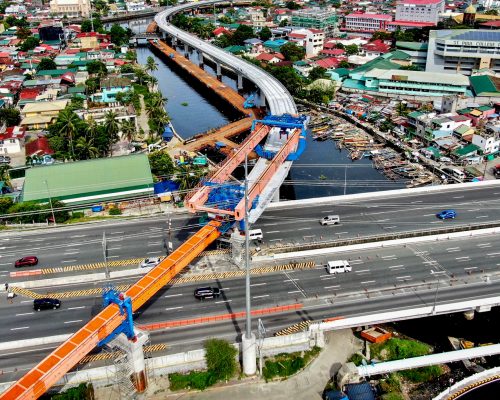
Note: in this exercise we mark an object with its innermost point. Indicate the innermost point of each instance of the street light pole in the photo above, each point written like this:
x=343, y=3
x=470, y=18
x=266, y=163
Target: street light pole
x=50, y=202
x=105, y=254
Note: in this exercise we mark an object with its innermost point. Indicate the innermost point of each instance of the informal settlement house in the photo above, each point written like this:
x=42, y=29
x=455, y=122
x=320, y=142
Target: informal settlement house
x=90, y=181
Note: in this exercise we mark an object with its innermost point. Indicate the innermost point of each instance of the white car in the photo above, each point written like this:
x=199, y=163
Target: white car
x=150, y=262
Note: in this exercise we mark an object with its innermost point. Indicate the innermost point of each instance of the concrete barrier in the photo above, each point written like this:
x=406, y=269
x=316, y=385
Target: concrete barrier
x=20, y=344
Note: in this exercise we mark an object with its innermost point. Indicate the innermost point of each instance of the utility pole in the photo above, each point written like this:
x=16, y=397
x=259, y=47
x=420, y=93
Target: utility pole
x=170, y=245
x=50, y=202
x=105, y=254
x=262, y=335
x=248, y=339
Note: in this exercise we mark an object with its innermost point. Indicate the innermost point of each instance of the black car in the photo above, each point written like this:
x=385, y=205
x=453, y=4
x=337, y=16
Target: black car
x=206, y=293
x=46, y=304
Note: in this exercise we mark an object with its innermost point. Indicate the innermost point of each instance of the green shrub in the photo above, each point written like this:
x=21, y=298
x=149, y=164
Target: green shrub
x=357, y=359
x=199, y=380
x=398, y=349
x=221, y=358
x=77, y=214
x=423, y=374
x=393, y=396
x=115, y=211
x=285, y=365
x=391, y=384
x=83, y=391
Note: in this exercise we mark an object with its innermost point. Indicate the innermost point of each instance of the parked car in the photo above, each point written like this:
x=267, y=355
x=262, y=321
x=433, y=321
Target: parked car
x=4, y=159
x=150, y=262
x=447, y=214
x=203, y=293
x=28, y=261
x=496, y=171
x=46, y=304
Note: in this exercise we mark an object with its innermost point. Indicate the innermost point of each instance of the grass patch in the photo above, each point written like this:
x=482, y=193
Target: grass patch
x=423, y=374
x=199, y=380
x=285, y=365
x=397, y=349
x=140, y=89
x=392, y=396
x=357, y=359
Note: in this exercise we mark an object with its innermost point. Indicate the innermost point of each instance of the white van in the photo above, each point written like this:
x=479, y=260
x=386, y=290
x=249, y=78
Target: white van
x=330, y=220
x=455, y=172
x=338, y=267
x=255, y=234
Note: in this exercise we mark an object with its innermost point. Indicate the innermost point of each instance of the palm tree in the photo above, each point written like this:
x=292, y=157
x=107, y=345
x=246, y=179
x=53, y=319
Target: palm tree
x=140, y=74
x=112, y=128
x=92, y=128
x=4, y=174
x=67, y=126
x=86, y=147
x=155, y=104
x=151, y=65
x=128, y=130
x=152, y=81
x=188, y=177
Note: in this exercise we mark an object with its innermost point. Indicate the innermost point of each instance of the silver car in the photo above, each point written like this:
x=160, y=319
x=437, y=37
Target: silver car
x=330, y=220
x=150, y=262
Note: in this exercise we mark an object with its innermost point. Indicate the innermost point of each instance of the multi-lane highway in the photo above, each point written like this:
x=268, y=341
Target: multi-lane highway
x=383, y=279
x=147, y=237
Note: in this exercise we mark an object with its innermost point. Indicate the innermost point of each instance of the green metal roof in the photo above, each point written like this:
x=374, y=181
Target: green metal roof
x=100, y=178
x=415, y=46
x=415, y=114
x=379, y=63
x=396, y=55
x=342, y=72
x=55, y=72
x=470, y=148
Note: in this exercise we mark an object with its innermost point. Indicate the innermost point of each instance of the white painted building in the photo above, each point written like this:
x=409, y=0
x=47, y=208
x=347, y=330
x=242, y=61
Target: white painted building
x=12, y=140
x=133, y=6
x=70, y=8
x=311, y=39
x=487, y=143
x=419, y=10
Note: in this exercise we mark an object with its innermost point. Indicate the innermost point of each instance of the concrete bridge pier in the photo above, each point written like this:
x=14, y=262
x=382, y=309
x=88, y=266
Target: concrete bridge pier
x=469, y=315
x=200, y=58
x=186, y=49
x=240, y=81
x=262, y=99
x=219, y=70
x=174, y=42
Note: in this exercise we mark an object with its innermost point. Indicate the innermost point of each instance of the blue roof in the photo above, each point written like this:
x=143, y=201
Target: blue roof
x=489, y=35
x=360, y=391
x=253, y=41
x=166, y=186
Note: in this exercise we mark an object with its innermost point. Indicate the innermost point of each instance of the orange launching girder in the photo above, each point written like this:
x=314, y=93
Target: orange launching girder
x=60, y=361
x=258, y=187
x=197, y=199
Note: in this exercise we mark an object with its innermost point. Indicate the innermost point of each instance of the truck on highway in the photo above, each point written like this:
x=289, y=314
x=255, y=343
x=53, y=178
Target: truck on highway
x=338, y=267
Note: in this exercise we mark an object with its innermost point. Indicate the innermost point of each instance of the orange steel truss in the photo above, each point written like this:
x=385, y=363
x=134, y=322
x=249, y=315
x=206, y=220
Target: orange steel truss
x=60, y=361
x=258, y=186
x=199, y=197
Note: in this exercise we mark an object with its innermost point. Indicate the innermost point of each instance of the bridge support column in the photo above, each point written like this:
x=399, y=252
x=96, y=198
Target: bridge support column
x=240, y=81
x=200, y=58
x=237, y=247
x=135, y=356
x=186, y=50
x=276, y=196
x=174, y=42
x=219, y=70
x=249, y=354
x=262, y=99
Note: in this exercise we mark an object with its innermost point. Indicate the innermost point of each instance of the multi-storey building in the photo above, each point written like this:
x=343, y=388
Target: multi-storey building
x=463, y=50
x=316, y=18
x=70, y=8
x=360, y=22
x=419, y=10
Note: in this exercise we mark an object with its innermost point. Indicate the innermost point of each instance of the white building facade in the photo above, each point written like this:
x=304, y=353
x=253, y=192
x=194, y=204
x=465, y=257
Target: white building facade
x=70, y=8
x=419, y=10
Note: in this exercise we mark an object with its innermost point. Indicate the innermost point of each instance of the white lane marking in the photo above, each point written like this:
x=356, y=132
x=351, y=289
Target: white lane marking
x=453, y=248
x=68, y=261
x=113, y=256
x=116, y=233
x=5, y=264
x=261, y=296
x=295, y=291
x=462, y=258
x=26, y=313
x=356, y=262
x=223, y=301
x=71, y=253
x=393, y=256
x=341, y=233
x=4, y=274
x=482, y=216
x=74, y=321
x=114, y=248
x=383, y=220
x=362, y=270
x=26, y=301
x=21, y=327
x=173, y=308
x=428, y=215
x=273, y=224
x=303, y=229
x=154, y=243
x=291, y=280
x=404, y=277
x=418, y=201
x=458, y=197
x=454, y=251
x=326, y=212
x=274, y=240
x=154, y=252
x=273, y=232
x=367, y=282
x=390, y=227
x=474, y=209
x=332, y=287
x=27, y=351
x=468, y=268
x=258, y=284
x=76, y=308
x=492, y=254
x=327, y=278
x=77, y=236
x=173, y=295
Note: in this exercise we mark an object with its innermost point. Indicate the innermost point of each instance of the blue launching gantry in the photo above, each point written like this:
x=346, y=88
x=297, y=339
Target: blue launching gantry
x=249, y=102
x=285, y=122
x=112, y=296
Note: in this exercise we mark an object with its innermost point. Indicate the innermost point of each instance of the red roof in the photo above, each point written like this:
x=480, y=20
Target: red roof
x=493, y=24
x=371, y=16
x=297, y=35
x=219, y=31
x=377, y=45
x=29, y=94
x=412, y=24
x=313, y=30
x=13, y=132
x=38, y=147
x=420, y=2
x=333, y=52
x=330, y=62
x=269, y=56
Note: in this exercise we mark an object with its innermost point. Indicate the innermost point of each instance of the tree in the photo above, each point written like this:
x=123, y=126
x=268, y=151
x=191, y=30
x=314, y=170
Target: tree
x=86, y=25
x=292, y=52
x=29, y=43
x=491, y=12
x=291, y=5
x=265, y=34
x=402, y=109
x=127, y=68
x=128, y=130
x=222, y=41
x=288, y=77
x=351, y=49
x=67, y=126
x=344, y=64
x=5, y=204
x=96, y=67
x=23, y=32
x=221, y=358
x=161, y=164
x=381, y=35
x=188, y=177
x=10, y=116
x=46, y=64
x=112, y=128
x=284, y=22
x=317, y=73
x=86, y=149
x=119, y=35
x=92, y=84
x=242, y=33
x=151, y=64
x=140, y=74
x=339, y=46
x=4, y=174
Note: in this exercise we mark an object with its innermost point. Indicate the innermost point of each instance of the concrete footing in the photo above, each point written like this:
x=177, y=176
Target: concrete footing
x=218, y=70
x=237, y=247
x=240, y=81
x=249, y=355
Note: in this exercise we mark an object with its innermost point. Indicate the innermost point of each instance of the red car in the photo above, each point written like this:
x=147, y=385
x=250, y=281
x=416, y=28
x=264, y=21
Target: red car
x=26, y=262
